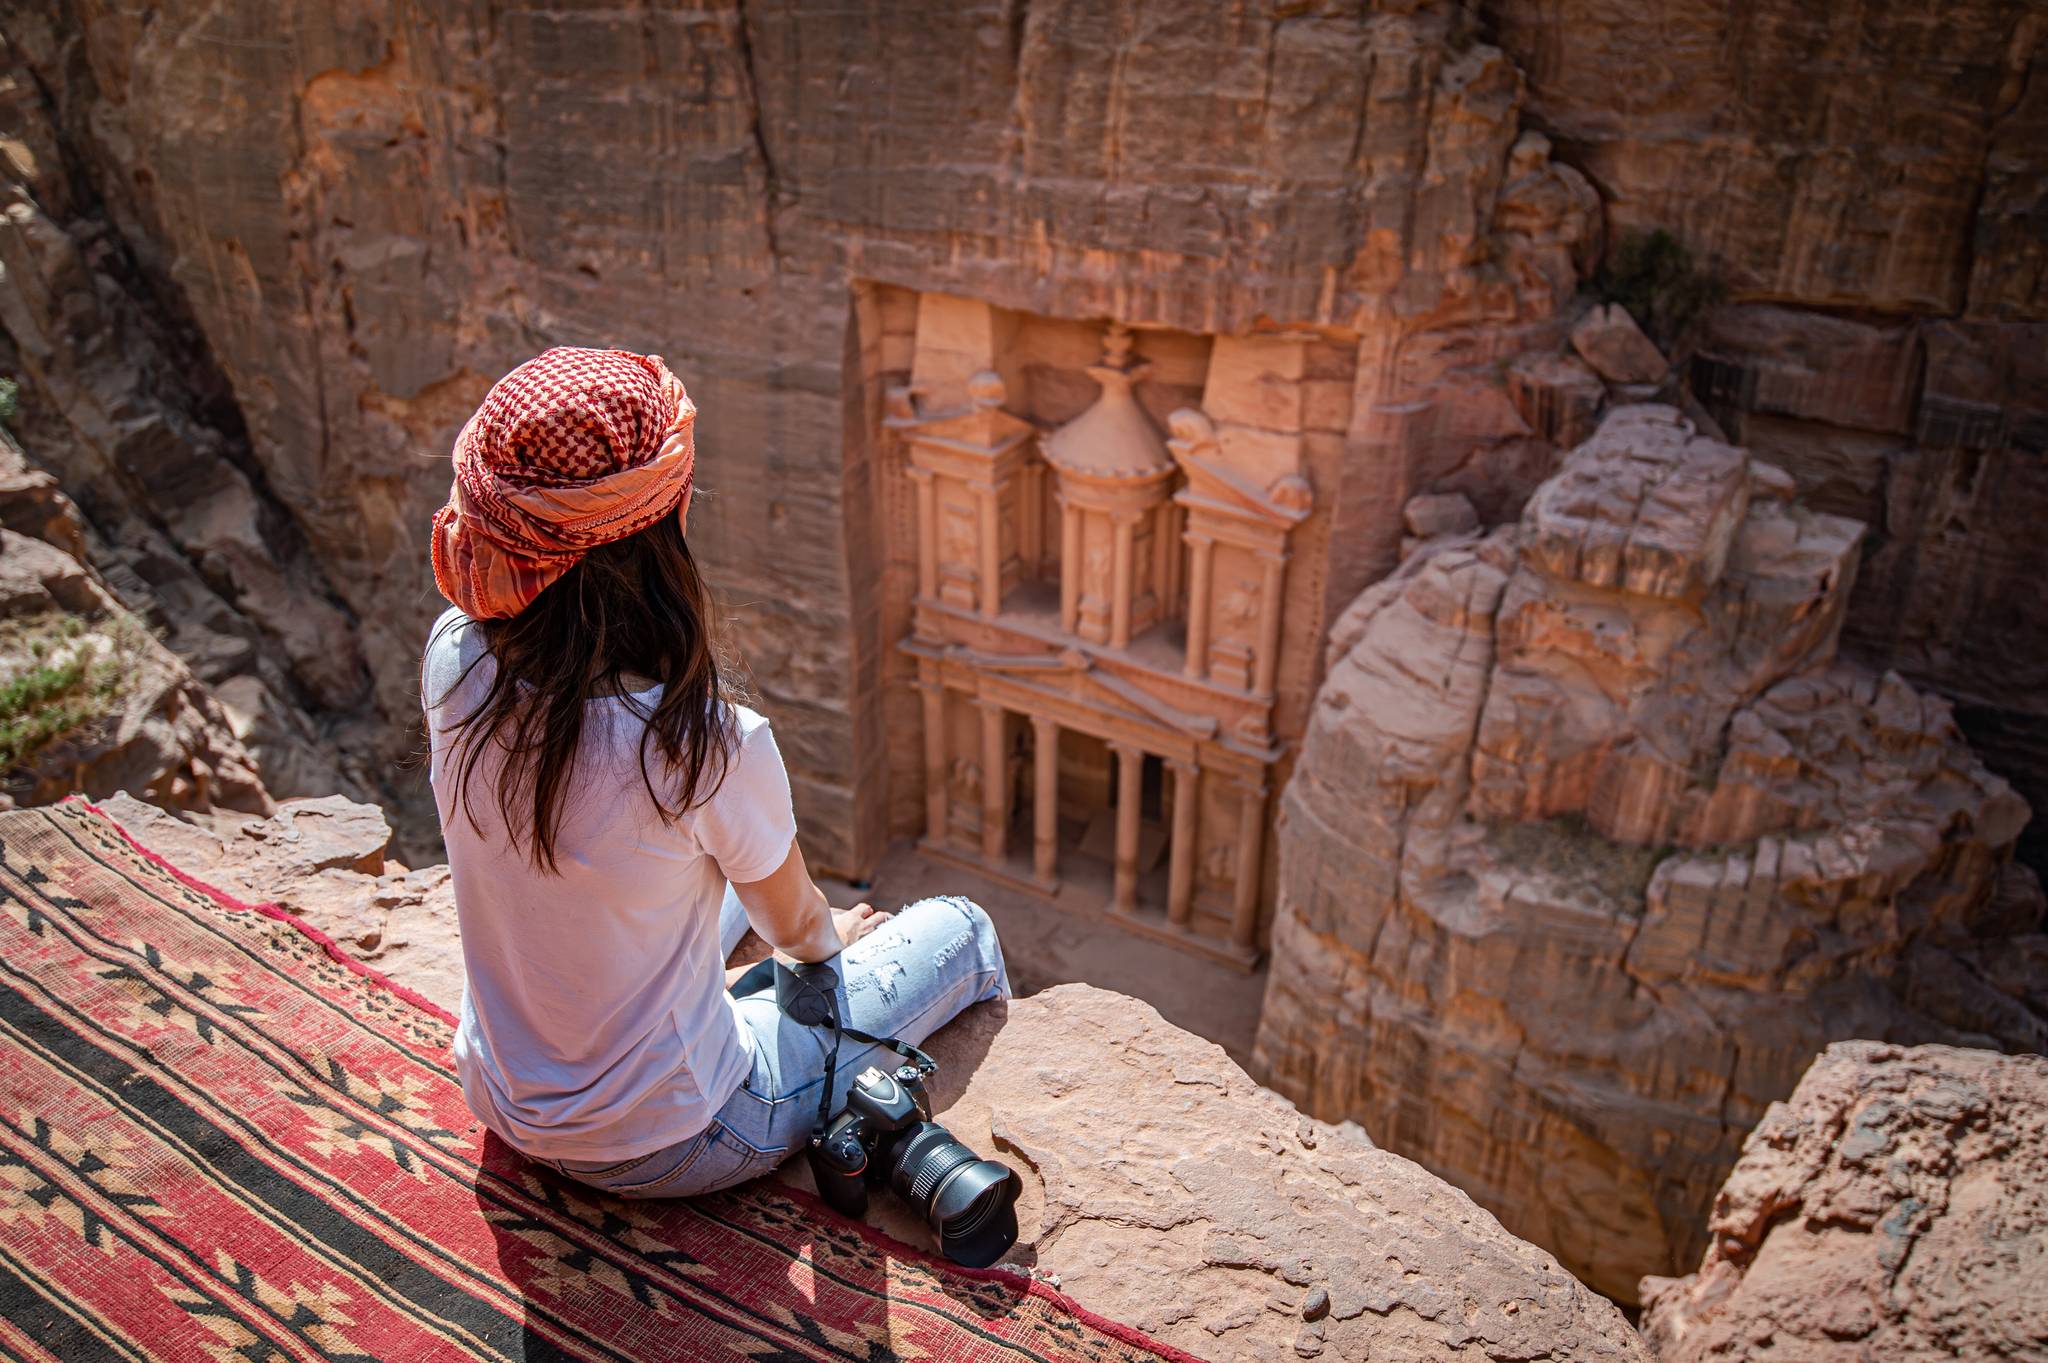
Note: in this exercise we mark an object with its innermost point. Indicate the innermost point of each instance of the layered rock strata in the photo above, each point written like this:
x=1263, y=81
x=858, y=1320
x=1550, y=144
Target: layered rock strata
x=1162, y=1186
x=358, y=215
x=1895, y=1207
x=1593, y=842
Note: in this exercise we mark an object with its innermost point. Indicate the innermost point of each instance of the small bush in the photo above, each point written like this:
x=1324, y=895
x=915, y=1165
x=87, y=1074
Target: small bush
x=66, y=686
x=10, y=395
x=1652, y=275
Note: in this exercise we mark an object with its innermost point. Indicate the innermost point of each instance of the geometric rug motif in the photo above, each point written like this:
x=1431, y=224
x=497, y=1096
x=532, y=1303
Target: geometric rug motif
x=221, y=1139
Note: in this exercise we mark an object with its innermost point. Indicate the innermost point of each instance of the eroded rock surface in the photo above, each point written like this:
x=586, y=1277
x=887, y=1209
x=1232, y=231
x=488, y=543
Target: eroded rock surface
x=1894, y=1207
x=324, y=861
x=1593, y=843
x=1163, y=1187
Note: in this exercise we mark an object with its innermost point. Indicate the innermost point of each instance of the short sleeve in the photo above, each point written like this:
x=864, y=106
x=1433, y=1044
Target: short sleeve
x=748, y=824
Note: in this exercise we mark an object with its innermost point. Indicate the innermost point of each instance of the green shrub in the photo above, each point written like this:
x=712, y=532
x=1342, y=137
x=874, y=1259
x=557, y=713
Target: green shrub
x=63, y=688
x=10, y=394
x=1652, y=275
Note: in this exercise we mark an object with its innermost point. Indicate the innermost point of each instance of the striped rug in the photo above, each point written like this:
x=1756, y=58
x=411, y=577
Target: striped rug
x=222, y=1140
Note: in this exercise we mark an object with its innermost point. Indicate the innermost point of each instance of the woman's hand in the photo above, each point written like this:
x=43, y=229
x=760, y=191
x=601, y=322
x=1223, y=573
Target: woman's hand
x=790, y=912
x=857, y=922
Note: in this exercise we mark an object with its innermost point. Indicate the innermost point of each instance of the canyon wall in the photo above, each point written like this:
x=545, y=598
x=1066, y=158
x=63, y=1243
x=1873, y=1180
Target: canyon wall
x=1594, y=841
x=304, y=240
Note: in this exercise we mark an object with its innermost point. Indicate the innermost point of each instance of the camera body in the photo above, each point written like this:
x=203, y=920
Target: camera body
x=885, y=1134
x=855, y=1151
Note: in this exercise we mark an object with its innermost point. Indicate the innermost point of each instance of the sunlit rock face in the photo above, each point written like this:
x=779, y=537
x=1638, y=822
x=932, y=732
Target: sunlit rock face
x=1594, y=842
x=272, y=255
x=1894, y=1206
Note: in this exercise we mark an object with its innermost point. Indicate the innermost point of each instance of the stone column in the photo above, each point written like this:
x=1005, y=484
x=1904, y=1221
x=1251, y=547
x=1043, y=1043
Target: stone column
x=1122, y=578
x=1200, y=550
x=1045, y=798
x=927, y=534
x=1130, y=791
x=995, y=784
x=936, y=797
x=1269, y=623
x=1251, y=837
x=991, y=552
x=1180, y=879
x=1070, y=566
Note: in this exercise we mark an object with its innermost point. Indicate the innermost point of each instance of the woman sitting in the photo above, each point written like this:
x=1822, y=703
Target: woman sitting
x=615, y=818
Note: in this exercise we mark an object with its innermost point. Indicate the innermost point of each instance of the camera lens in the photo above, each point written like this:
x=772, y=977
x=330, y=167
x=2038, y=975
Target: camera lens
x=969, y=1202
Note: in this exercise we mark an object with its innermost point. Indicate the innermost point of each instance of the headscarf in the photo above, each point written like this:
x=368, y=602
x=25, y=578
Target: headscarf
x=573, y=449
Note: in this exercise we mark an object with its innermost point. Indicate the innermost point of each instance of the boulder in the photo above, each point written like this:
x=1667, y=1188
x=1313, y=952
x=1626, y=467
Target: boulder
x=1593, y=842
x=1894, y=1207
x=1608, y=339
x=1163, y=1188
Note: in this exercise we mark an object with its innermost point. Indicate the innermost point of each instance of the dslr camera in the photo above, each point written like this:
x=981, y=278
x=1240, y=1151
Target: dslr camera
x=885, y=1134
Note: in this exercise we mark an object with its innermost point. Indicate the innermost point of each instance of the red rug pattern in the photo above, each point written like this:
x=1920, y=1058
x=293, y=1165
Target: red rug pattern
x=222, y=1140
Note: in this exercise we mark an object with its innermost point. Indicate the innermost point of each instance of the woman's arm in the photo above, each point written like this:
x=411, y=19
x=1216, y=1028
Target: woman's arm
x=790, y=911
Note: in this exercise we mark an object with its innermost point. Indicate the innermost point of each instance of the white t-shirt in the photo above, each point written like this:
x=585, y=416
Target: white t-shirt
x=595, y=1023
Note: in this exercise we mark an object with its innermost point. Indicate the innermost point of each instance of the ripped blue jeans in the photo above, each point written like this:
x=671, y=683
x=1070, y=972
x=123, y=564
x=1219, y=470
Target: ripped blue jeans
x=905, y=979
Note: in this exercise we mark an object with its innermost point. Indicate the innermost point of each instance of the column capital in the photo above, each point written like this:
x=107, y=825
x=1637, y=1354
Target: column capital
x=1184, y=766
x=986, y=703
x=1126, y=748
x=1040, y=723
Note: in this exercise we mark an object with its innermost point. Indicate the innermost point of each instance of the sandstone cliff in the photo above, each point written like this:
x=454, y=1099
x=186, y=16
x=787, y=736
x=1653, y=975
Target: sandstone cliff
x=301, y=239
x=1894, y=1207
x=1593, y=843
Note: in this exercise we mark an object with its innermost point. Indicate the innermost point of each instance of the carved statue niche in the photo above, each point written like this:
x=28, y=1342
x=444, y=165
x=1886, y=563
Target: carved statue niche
x=1116, y=515
x=977, y=498
x=1236, y=534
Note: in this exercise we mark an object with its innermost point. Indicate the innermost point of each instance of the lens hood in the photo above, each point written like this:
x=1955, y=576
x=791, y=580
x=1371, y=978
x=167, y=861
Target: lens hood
x=974, y=1213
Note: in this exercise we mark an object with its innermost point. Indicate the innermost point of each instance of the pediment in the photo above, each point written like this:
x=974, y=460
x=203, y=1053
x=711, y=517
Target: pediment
x=1091, y=683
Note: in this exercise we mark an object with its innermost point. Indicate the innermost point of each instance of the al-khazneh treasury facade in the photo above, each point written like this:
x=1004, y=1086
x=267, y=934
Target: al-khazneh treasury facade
x=1105, y=527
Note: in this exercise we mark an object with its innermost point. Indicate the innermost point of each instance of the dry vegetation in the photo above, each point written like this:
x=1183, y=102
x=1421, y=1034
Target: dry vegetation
x=61, y=675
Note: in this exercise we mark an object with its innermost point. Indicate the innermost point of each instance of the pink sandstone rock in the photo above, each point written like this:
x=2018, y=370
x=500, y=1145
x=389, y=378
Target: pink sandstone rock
x=1894, y=1207
x=1608, y=339
x=1593, y=843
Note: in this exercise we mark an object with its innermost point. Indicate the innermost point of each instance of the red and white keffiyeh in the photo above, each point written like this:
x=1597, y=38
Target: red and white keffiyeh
x=573, y=449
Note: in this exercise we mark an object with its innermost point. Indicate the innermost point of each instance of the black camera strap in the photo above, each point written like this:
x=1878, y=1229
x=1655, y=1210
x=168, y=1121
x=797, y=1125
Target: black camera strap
x=805, y=997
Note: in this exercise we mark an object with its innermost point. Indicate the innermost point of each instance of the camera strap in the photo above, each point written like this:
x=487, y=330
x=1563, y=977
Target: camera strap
x=805, y=997
x=925, y=1065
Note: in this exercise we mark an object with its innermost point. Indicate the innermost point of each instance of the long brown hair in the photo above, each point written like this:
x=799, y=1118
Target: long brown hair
x=636, y=607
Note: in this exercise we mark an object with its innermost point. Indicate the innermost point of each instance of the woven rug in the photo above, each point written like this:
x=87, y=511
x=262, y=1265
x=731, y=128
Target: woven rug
x=222, y=1140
